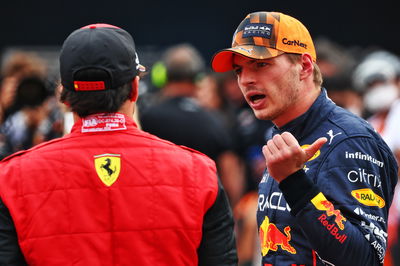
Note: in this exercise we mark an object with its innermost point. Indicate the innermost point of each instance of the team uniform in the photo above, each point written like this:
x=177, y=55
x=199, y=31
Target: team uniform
x=335, y=210
x=111, y=194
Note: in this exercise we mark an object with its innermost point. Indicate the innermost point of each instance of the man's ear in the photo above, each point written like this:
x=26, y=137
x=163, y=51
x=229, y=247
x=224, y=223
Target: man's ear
x=134, y=89
x=59, y=89
x=307, y=66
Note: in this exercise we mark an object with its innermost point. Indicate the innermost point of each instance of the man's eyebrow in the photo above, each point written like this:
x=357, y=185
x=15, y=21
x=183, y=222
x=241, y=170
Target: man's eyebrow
x=234, y=65
x=247, y=63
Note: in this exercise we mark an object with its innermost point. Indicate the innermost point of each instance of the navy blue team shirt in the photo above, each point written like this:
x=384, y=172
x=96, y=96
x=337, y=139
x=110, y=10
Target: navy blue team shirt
x=335, y=210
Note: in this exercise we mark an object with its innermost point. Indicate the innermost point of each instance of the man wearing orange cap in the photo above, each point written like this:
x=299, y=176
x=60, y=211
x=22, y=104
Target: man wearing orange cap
x=325, y=195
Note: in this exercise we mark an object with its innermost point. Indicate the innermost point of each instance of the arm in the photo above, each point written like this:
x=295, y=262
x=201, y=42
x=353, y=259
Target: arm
x=218, y=246
x=232, y=175
x=337, y=211
x=10, y=252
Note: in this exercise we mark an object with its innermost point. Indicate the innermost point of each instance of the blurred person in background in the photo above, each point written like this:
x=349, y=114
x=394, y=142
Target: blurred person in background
x=178, y=117
x=378, y=76
x=330, y=178
x=336, y=64
x=15, y=68
x=220, y=93
x=31, y=114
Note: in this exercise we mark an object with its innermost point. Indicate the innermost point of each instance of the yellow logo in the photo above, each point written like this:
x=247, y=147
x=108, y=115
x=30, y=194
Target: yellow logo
x=322, y=204
x=271, y=238
x=367, y=197
x=108, y=167
x=305, y=146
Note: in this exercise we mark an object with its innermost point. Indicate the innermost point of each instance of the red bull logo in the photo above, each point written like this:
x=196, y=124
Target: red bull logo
x=322, y=204
x=271, y=238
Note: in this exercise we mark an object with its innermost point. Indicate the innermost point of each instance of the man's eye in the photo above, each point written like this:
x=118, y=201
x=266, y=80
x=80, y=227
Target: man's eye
x=261, y=64
x=237, y=71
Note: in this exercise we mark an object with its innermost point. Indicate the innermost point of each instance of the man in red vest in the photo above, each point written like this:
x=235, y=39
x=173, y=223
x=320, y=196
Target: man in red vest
x=109, y=193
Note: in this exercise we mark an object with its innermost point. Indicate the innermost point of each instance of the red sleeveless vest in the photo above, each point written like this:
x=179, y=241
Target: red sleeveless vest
x=108, y=194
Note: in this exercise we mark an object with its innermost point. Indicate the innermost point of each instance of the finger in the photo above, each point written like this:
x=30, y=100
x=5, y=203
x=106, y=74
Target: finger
x=290, y=139
x=266, y=152
x=272, y=147
x=279, y=142
x=313, y=148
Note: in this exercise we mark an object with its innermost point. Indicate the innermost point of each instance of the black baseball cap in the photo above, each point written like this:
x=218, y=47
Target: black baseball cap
x=103, y=47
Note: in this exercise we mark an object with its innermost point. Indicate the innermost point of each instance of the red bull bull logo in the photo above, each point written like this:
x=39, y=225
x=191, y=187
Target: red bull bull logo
x=271, y=238
x=322, y=204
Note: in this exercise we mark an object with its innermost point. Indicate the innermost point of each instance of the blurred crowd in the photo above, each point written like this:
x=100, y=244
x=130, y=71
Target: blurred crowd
x=183, y=101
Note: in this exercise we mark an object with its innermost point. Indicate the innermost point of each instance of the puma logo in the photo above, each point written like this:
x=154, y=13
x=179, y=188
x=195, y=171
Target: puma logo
x=331, y=135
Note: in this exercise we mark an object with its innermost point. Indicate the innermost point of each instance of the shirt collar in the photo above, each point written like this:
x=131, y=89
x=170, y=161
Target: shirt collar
x=103, y=122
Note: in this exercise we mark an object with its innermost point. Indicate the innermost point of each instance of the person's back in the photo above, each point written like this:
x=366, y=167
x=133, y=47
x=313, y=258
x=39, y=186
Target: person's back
x=182, y=121
x=65, y=202
x=109, y=193
x=177, y=116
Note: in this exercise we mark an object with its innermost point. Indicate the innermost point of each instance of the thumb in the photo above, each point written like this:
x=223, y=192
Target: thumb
x=313, y=148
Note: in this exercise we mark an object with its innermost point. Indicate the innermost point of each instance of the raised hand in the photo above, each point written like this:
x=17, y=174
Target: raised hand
x=284, y=156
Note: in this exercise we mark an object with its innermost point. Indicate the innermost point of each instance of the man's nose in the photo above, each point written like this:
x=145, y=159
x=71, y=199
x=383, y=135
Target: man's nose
x=247, y=77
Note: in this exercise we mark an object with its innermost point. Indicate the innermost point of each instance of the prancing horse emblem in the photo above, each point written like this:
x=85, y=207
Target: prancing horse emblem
x=108, y=167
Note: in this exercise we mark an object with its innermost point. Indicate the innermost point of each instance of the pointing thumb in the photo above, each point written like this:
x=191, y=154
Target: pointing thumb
x=313, y=148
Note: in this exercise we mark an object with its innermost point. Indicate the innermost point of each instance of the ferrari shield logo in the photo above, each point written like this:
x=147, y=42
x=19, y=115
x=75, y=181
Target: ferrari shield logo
x=108, y=167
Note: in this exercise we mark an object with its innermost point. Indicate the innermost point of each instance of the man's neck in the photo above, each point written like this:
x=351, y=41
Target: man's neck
x=303, y=104
x=127, y=108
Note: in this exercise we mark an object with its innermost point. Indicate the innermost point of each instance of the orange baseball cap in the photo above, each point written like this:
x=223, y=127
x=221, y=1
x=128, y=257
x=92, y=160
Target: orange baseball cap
x=264, y=35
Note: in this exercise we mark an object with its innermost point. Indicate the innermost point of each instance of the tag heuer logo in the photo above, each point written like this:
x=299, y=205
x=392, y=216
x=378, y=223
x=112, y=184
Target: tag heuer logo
x=108, y=167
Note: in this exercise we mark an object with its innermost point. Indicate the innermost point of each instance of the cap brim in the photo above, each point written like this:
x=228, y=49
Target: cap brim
x=222, y=61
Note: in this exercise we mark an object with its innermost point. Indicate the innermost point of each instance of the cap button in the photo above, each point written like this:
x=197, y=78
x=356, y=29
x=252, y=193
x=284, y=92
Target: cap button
x=92, y=26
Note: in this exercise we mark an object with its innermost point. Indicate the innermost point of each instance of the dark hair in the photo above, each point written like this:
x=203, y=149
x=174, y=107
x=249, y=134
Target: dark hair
x=31, y=92
x=85, y=103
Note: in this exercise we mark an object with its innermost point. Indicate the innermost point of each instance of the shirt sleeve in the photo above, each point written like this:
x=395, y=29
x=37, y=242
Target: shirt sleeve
x=343, y=207
x=218, y=245
x=10, y=252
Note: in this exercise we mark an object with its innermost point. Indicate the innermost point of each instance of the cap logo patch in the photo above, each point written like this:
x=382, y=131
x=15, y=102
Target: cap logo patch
x=257, y=30
x=89, y=85
x=294, y=43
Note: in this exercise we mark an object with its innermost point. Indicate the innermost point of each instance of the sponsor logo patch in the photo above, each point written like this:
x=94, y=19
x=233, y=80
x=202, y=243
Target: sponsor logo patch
x=273, y=201
x=362, y=176
x=335, y=228
x=257, y=30
x=332, y=135
x=322, y=204
x=305, y=146
x=271, y=238
x=375, y=230
x=108, y=167
x=103, y=122
x=367, y=197
x=369, y=216
x=362, y=156
x=294, y=43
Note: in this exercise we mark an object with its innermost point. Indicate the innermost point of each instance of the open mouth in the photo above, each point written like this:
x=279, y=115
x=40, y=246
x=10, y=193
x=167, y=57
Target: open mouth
x=256, y=97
